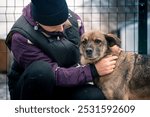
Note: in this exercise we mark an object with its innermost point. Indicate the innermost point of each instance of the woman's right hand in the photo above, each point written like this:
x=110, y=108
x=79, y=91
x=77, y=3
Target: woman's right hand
x=106, y=65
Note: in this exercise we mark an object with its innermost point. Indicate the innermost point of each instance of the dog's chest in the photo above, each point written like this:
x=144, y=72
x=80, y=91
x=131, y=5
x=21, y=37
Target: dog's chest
x=113, y=86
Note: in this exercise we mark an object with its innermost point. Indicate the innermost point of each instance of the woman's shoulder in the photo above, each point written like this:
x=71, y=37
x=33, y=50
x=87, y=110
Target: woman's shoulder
x=18, y=37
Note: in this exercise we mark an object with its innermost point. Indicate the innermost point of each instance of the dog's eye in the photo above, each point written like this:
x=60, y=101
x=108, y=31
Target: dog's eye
x=97, y=41
x=84, y=41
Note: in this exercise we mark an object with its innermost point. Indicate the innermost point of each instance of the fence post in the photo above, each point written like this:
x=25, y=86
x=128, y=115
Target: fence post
x=142, y=28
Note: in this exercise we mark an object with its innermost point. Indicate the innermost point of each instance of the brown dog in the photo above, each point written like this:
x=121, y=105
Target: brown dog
x=131, y=76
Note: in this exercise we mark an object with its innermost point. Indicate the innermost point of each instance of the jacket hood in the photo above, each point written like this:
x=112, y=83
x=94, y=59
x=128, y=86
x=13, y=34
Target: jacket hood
x=27, y=15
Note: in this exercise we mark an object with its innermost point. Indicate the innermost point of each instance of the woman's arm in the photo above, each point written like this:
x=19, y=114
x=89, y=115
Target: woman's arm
x=25, y=53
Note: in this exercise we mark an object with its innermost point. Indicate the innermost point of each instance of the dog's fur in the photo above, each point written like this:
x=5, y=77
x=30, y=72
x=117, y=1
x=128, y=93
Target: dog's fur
x=131, y=76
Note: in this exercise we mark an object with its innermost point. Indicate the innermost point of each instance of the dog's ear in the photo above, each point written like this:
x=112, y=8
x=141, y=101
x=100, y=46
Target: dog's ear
x=112, y=40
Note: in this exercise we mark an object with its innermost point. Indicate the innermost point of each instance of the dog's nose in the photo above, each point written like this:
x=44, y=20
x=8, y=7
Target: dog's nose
x=89, y=51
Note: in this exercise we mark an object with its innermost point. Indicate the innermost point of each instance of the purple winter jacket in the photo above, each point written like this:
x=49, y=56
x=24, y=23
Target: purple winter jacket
x=25, y=53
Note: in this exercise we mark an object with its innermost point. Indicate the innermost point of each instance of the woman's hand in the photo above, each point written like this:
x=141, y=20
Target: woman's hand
x=106, y=65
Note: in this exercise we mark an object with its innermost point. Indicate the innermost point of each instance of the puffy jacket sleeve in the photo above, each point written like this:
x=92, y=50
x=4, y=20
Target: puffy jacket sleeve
x=25, y=53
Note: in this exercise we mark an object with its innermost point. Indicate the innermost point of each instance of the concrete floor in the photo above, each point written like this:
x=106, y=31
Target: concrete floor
x=4, y=93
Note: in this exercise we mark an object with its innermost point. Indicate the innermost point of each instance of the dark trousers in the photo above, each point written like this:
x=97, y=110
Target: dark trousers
x=38, y=83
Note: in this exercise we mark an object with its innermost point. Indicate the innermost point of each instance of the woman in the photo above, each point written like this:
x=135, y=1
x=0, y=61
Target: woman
x=44, y=42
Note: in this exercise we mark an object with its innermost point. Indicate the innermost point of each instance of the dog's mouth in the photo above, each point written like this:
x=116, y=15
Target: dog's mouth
x=92, y=58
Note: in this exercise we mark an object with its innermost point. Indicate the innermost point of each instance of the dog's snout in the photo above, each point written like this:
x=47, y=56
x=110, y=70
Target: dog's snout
x=89, y=51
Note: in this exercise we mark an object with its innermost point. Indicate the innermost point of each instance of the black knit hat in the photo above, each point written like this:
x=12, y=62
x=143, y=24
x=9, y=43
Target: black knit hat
x=49, y=12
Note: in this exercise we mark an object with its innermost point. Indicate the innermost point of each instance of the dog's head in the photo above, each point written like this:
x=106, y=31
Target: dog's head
x=95, y=45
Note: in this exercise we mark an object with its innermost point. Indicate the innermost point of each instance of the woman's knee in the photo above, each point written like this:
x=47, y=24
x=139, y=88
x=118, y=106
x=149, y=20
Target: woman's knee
x=37, y=81
x=39, y=70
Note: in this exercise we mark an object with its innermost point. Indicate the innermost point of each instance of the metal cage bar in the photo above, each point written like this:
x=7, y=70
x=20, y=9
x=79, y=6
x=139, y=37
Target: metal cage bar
x=142, y=27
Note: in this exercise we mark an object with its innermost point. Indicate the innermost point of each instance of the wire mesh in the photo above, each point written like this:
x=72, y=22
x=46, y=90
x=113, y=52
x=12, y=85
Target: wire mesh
x=105, y=15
